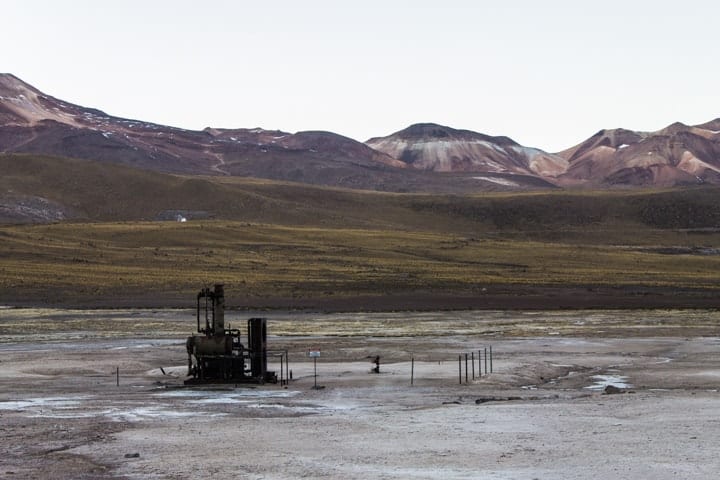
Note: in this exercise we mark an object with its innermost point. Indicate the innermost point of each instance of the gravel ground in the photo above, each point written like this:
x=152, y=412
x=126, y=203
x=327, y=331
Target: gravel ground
x=541, y=414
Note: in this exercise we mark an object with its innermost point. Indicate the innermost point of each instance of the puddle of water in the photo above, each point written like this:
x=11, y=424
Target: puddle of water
x=602, y=381
x=47, y=402
x=216, y=397
x=140, y=413
x=706, y=373
x=219, y=400
x=664, y=360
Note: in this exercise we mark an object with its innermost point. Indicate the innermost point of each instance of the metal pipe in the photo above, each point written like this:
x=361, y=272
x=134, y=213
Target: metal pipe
x=219, y=309
x=198, y=311
x=412, y=370
x=466, y=369
x=460, y=368
x=287, y=368
x=486, y=362
x=491, y=362
x=473, y=364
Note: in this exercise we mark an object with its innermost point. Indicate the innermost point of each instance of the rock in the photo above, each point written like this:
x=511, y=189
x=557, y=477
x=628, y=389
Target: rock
x=612, y=390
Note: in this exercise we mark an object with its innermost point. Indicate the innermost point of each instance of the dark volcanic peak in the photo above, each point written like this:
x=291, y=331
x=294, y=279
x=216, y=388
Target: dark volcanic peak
x=435, y=132
x=428, y=146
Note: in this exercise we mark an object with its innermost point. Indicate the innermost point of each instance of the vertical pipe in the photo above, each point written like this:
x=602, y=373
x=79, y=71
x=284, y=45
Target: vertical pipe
x=472, y=361
x=282, y=370
x=466, y=369
x=207, y=318
x=198, y=312
x=491, y=359
x=460, y=368
x=412, y=370
x=315, y=369
x=486, y=362
x=219, y=309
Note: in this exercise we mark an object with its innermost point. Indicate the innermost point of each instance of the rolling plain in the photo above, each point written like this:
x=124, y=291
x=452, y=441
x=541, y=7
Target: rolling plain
x=574, y=290
x=113, y=242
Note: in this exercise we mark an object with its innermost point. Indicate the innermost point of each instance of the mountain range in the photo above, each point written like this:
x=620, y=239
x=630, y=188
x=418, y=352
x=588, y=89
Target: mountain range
x=422, y=158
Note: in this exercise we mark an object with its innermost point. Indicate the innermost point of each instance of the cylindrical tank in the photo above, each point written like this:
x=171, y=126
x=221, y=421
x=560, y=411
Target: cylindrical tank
x=216, y=345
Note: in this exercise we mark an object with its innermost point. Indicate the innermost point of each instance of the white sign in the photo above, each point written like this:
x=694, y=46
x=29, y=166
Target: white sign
x=314, y=353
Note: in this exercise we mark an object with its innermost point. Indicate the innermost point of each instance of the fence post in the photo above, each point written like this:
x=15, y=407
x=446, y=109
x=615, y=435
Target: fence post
x=117, y=376
x=491, y=359
x=486, y=362
x=288, y=375
x=460, y=368
x=466, y=369
x=412, y=370
x=472, y=361
x=282, y=370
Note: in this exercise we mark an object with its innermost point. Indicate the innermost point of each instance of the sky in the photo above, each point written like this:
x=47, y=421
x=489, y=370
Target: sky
x=548, y=73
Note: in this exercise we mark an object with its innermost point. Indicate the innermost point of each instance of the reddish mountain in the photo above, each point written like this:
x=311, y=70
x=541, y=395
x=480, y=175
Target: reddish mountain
x=32, y=122
x=421, y=158
x=427, y=146
x=676, y=155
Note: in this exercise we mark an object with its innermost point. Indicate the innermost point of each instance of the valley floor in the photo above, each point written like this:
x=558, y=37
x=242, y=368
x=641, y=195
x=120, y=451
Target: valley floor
x=541, y=414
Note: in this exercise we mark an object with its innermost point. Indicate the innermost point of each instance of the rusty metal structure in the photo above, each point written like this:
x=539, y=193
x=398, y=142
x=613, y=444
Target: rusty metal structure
x=216, y=354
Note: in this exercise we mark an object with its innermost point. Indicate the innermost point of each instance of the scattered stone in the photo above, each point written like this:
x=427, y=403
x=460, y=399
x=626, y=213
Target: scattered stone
x=613, y=390
x=482, y=400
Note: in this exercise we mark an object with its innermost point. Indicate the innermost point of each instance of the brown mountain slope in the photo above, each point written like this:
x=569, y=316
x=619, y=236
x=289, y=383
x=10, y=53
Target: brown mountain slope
x=32, y=122
x=43, y=189
x=676, y=155
x=39, y=189
x=442, y=159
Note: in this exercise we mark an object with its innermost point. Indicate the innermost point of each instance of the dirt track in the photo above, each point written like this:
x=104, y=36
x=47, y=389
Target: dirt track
x=62, y=415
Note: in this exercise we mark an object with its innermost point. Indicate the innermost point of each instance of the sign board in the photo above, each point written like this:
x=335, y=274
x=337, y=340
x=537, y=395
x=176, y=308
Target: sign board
x=314, y=353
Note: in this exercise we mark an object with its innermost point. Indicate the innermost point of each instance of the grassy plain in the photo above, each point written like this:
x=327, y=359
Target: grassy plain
x=163, y=263
x=291, y=245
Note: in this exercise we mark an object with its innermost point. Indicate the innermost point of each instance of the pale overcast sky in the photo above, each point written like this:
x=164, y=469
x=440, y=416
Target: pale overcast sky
x=546, y=73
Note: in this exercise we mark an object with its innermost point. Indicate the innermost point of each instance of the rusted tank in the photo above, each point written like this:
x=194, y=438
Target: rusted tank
x=216, y=354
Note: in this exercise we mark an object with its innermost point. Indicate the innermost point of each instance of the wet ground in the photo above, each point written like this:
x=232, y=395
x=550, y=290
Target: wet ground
x=98, y=394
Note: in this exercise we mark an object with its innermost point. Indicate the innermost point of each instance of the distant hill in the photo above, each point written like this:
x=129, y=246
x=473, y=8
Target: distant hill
x=428, y=146
x=42, y=189
x=33, y=122
x=424, y=157
x=674, y=156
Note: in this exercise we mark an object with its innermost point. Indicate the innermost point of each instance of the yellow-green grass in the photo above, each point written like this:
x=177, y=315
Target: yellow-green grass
x=267, y=261
x=283, y=240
